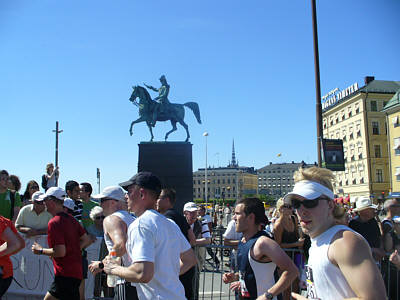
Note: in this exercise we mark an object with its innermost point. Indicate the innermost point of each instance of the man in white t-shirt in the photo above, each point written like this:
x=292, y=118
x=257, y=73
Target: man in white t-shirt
x=340, y=264
x=232, y=238
x=158, y=249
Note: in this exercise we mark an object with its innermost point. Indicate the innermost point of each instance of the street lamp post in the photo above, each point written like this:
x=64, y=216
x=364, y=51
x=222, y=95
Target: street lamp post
x=205, y=171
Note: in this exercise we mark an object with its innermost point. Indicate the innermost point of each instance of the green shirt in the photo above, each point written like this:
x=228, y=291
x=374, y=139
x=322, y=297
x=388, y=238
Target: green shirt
x=87, y=207
x=5, y=203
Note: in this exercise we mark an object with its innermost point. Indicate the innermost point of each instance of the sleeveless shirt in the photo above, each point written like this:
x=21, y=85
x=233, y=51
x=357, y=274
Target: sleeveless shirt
x=325, y=281
x=255, y=277
x=128, y=219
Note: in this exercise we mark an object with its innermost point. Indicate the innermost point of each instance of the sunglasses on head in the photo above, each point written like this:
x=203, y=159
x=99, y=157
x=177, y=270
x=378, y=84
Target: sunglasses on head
x=306, y=203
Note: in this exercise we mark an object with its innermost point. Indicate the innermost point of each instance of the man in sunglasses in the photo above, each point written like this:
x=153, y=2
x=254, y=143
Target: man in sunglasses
x=33, y=218
x=340, y=264
x=115, y=226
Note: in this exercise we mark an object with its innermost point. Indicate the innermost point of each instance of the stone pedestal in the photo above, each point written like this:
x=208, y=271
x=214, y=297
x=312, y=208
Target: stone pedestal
x=172, y=163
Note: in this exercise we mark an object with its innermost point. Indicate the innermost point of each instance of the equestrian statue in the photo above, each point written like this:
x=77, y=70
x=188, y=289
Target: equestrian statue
x=160, y=109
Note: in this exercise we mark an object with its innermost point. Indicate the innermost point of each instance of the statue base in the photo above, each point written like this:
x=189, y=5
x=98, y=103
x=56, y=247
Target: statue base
x=172, y=163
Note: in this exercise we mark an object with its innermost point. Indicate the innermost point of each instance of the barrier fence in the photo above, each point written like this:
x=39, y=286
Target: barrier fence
x=33, y=274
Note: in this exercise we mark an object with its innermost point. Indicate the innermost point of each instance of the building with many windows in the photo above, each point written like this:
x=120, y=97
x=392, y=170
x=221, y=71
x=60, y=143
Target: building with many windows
x=277, y=179
x=354, y=115
x=230, y=182
x=392, y=112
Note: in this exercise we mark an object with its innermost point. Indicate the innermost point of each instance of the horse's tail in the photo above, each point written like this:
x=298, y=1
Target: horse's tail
x=195, y=109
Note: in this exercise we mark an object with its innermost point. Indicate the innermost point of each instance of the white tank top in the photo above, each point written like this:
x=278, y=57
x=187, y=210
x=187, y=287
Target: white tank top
x=128, y=219
x=325, y=281
x=264, y=274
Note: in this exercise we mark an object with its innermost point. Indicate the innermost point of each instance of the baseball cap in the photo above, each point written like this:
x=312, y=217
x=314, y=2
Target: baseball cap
x=56, y=192
x=37, y=196
x=69, y=203
x=190, y=206
x=145, y=180
x=309, y=190
x=364, y=202
x=112, y=192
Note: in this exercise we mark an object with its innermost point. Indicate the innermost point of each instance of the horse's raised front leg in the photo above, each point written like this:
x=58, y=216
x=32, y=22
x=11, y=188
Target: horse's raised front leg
x=134, y=122
x=151, y=130
x=173, y=123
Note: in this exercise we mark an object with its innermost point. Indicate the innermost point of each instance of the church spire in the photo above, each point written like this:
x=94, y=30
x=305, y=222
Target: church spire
x=233, y=162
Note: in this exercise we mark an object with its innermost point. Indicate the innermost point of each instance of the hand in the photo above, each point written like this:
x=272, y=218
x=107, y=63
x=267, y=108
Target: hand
x=298, y=297
x=109, y=265
x=94, y=267
x=36, y=248
x=395, y=258
x=235, y=286
x=229, y=277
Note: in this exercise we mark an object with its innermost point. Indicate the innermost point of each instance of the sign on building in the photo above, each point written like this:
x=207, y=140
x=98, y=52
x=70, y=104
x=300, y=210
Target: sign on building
x=333, y=154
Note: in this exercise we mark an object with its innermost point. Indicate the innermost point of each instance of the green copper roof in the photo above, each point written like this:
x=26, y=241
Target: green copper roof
x=394, y=101
x=381, y=86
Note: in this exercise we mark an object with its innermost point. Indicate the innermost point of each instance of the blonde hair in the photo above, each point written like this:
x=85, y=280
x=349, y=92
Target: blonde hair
x=95, y=211
x=48, y=166
x=279, y=203
x=320, y=175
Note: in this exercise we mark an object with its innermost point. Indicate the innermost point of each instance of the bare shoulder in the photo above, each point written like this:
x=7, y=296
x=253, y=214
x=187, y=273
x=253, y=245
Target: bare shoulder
x=348, y=247
x=265, y=242
x=113, y=222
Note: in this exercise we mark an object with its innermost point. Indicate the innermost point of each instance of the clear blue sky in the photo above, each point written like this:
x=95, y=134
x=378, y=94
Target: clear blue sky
x=249, y=65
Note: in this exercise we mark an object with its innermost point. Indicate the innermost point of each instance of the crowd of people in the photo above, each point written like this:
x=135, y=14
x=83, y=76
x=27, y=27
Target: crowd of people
x=152, y=251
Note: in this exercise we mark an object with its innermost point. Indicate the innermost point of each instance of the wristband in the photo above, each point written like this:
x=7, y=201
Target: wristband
x=41, y=251
x=101, y=265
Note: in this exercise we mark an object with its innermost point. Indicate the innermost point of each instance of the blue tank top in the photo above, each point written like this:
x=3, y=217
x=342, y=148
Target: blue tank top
x=246, y=273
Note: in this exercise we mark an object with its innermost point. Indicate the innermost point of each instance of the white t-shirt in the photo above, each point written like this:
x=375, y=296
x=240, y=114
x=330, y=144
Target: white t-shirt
x=230, y=232
x=154, y=238
x=206, y=219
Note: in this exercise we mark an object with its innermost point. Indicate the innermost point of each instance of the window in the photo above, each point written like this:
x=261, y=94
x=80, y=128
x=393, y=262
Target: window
x=351, y=136
x=396, y=147
x=395, y=121
x=374, y=106
x=357, y=109
x=384, y=103
x=397, y=174
x=377, y=150
x=362, y=180
x=375, y=127
x=354, y=181
x=379, y=175
x=360, y=156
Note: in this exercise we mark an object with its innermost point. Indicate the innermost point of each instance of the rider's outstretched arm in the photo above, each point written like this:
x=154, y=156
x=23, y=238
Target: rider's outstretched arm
x=151, y=87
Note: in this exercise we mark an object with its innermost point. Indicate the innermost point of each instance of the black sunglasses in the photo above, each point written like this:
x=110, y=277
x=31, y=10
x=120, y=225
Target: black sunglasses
x=287, y=206
x=99, y=217
x=306, y=203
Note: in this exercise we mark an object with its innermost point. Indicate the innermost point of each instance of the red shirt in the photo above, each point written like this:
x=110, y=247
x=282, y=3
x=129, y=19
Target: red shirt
x=5, y=261
x=63, y=229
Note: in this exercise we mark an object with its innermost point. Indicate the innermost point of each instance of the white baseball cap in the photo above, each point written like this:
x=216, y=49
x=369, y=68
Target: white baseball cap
x=69, y=203
x=56, y=192
x=37, y=196
x=190, y=206
x=112, y=192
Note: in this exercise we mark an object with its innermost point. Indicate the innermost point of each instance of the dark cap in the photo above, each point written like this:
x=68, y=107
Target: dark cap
x=145, y=180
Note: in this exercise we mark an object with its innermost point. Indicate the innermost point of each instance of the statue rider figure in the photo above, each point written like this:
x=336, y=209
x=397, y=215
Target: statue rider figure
x=162, y=98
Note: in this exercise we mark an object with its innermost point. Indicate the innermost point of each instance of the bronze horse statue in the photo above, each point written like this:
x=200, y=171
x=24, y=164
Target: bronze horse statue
x=173, y=112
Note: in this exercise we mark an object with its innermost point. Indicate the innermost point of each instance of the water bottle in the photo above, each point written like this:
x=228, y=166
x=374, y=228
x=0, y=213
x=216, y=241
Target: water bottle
x=112, y=279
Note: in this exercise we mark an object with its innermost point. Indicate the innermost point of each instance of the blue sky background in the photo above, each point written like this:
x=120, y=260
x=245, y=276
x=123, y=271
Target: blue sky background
x=249, y=65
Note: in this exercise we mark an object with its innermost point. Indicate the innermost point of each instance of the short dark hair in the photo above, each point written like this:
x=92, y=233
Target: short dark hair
x=88, y=187
x=171, y=194
x=70, y=185
x=4, y=172
x=15, y=182
x=256, y=207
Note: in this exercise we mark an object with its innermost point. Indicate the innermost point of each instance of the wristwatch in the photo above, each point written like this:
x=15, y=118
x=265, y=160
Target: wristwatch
x=269, y=296
x=101, y=265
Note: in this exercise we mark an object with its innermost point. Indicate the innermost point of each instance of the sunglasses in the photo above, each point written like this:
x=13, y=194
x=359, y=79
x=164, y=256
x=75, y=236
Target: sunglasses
x=287, y=206
x=306, y=203
x=105, y=199
x=99, y=218
x=39, y=202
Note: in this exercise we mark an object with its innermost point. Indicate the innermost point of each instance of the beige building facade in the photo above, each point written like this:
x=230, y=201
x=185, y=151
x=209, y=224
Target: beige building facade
x=355, y=117
x=392, y=112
